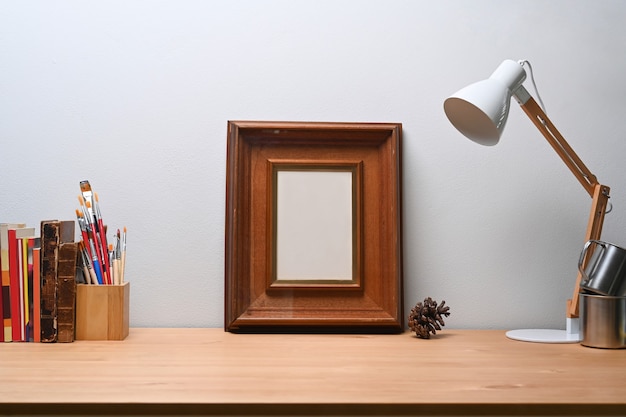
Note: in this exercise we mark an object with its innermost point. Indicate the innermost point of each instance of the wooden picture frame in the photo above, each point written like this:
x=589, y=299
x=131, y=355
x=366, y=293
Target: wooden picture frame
x=313, y=227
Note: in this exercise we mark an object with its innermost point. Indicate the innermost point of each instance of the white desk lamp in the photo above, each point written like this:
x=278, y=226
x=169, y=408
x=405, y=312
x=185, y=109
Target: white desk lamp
x=479, y=111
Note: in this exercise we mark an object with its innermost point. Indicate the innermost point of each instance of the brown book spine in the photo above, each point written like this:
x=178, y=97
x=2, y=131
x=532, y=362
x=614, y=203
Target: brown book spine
x=50, y=232
x=66, y=291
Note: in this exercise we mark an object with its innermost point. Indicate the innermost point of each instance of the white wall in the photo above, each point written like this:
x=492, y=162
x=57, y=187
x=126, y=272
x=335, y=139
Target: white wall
x=135, y=96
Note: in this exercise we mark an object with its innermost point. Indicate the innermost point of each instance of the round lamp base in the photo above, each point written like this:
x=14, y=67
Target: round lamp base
x=543, y=336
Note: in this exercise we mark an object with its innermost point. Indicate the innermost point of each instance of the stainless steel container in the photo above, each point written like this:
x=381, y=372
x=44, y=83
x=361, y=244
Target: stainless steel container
x=603, y=321
x=606, y=270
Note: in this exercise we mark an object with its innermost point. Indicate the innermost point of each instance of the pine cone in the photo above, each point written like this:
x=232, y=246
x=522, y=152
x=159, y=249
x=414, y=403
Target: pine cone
x=426, y=317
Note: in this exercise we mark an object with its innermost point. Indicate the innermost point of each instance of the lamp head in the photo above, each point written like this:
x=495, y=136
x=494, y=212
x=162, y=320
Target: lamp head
x=479, y=111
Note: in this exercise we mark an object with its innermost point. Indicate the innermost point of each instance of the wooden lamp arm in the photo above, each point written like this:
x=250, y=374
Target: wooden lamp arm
x=560, y=145
x=598, y=192
x=594, y=230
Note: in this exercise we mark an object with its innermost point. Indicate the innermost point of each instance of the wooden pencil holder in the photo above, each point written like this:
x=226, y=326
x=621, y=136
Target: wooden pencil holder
x=102, y=311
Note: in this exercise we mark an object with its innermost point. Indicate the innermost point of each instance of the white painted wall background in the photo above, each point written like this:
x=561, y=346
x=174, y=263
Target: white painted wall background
x=135, y=95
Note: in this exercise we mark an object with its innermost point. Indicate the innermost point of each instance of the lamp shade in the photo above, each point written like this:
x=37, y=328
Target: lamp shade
x=479, y=111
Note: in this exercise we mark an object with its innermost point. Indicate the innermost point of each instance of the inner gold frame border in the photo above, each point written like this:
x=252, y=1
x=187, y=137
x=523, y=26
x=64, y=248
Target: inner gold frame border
x=252, y=303
x=356, y=170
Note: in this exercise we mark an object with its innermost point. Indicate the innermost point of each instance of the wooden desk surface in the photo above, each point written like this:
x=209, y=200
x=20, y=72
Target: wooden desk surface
x=208, y=371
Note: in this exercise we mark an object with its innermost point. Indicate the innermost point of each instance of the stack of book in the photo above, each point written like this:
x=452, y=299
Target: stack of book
x=38, y=282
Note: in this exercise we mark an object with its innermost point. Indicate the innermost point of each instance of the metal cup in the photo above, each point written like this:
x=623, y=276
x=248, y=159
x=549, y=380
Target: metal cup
x=605, y=273
x=603, y=321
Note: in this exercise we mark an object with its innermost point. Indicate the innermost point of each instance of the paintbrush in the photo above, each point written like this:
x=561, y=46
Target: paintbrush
x=82, y=224
x=100, y=252
x=102, y=233
x=123, y=256
x=85, y=189
x=96, y=263
x=93, y=207
x=90, y=275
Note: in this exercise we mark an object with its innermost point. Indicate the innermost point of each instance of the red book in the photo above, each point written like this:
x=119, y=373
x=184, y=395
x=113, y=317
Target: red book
x=16, y=304
x=17, y=266
x=23, y=274
x=6, y=327
x=2, y=312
